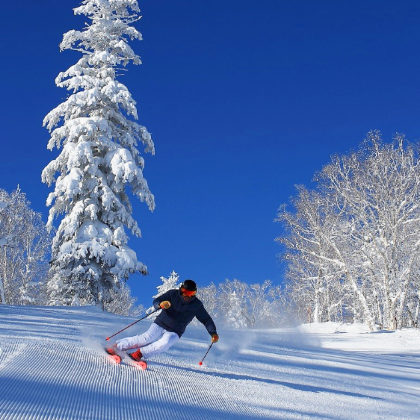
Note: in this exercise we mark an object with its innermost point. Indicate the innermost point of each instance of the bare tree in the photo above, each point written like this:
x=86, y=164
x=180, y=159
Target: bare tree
x=318, y=263
x=24, y=251
x=360, y=229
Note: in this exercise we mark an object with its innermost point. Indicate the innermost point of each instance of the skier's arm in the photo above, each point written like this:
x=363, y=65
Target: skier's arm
x=162, y=298
x=204, y=317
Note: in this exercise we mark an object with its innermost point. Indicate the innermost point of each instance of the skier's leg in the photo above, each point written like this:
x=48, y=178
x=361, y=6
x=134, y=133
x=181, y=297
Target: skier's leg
x=152, y=334
x=168, y=340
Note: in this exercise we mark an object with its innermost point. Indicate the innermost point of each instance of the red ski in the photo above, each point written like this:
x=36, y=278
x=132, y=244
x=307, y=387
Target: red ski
x=114, y=356
x=117, y=358
x=137, y=361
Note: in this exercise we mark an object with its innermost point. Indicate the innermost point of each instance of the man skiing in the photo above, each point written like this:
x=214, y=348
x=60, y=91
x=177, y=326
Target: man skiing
x=179, y=307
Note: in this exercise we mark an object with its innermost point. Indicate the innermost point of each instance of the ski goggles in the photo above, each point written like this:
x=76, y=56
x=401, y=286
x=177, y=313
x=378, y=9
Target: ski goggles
x=186, y=292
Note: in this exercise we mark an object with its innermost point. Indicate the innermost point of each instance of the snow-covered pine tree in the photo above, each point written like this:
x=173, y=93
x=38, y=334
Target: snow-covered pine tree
x=172, y=282
x=234, y=316
x=99, y=160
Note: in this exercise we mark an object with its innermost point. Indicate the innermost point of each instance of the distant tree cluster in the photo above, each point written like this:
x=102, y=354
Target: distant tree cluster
x=236, y=304
x=352, y=245
x=24, y=250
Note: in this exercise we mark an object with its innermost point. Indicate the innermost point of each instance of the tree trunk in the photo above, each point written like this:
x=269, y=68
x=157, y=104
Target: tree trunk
x=3, y=300
x=316, y=306
x=369, y=319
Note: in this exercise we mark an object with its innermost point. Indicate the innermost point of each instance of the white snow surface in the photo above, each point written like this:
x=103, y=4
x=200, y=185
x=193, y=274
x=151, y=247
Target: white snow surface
x=52, y=367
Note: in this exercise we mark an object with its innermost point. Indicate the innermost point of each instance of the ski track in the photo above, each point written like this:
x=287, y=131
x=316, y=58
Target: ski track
x=52, y=367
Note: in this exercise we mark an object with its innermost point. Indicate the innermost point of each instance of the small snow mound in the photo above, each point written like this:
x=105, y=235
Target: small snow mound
x=333, y=327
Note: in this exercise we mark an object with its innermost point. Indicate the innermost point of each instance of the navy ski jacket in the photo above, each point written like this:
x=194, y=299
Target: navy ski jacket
x=181, y=313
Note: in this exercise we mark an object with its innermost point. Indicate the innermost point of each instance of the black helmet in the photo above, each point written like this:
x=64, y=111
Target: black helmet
x=189, y=285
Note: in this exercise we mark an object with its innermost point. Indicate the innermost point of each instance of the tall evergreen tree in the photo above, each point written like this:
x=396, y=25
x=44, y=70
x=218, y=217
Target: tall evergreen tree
x=99, y=160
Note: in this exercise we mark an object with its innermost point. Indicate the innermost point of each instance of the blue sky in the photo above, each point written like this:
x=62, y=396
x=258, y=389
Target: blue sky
x=244, y=100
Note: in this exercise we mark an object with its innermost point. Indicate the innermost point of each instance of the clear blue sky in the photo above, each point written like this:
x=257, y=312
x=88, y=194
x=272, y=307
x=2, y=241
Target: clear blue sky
x=244, y=99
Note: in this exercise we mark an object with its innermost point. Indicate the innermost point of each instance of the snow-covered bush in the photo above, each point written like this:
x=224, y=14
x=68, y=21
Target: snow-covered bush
x=122, y=303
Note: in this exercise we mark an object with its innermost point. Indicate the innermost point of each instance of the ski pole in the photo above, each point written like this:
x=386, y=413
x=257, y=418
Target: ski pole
x=135, y=322
x=201, y=362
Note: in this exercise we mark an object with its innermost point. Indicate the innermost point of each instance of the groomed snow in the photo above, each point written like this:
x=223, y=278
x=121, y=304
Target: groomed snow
x=52, y=368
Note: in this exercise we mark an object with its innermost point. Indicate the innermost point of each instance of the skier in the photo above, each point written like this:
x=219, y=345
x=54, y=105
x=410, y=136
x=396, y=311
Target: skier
x=179, y=307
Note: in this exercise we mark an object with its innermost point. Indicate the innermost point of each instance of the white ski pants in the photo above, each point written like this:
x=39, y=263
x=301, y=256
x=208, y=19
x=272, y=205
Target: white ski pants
x=154, y=341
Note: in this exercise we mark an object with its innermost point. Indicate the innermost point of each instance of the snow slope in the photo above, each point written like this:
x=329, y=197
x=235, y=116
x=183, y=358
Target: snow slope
x=52, y=367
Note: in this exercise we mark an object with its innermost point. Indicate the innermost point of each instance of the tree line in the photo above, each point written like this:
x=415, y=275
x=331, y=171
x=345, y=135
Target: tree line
x=236, y=304
x=352, y=244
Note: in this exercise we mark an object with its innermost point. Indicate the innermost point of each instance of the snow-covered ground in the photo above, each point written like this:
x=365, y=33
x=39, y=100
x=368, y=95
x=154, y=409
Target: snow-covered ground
x=52, y=368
